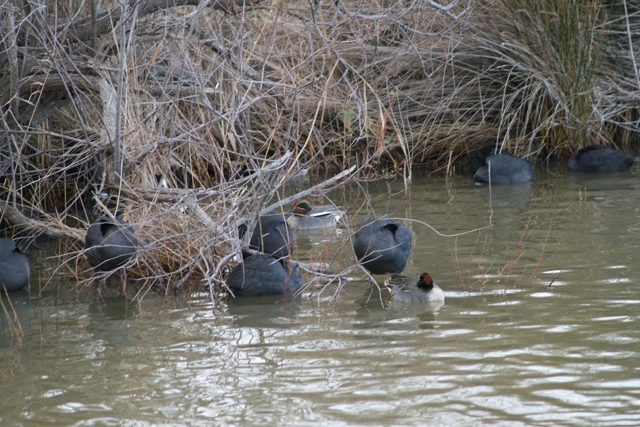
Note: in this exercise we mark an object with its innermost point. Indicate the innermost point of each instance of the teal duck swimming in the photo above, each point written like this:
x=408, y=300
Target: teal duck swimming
x=304, y=217
x=262, y=274
x=110, y=242
x=14, y=267
x=599, y=159
x=414, y=289
x=382, y=245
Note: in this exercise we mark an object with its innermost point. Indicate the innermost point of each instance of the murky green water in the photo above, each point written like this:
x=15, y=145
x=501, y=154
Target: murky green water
x=506, y=348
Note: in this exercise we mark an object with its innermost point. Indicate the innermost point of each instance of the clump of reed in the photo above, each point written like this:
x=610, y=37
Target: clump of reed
x=486, y=272
x=549, y=60
x=196, y=117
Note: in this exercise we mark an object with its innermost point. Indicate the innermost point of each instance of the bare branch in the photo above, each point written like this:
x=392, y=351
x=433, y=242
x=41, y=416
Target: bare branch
x=55, y=229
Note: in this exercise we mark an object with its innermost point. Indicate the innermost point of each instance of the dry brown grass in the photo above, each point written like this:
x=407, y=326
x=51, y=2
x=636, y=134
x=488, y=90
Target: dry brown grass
x=227, y=107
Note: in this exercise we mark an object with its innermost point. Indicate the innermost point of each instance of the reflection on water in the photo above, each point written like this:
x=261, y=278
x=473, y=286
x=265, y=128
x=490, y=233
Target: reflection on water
x=264, y=312
x=540, y=327
x=109, y=321
x=15, y=316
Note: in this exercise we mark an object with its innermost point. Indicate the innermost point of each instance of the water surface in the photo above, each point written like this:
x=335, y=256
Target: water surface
x=540, y=327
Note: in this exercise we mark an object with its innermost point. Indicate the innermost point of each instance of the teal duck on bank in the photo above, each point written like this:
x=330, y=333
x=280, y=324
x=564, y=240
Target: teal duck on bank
x=14, y=267
x=303, y=217
x=262, y=274
x=272, y=236
x=382, y=245
x=414, y=289
x=599, y=159
x=110, y=243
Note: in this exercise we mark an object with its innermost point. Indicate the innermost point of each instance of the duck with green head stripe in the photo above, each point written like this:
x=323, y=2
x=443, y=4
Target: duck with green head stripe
x=303, y=217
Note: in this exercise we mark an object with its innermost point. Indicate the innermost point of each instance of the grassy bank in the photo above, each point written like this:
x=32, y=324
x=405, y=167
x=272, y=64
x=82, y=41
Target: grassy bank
x=192, y=118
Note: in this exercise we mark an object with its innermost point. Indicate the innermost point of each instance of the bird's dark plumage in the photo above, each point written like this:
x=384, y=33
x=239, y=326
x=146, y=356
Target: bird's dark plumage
x=262, y=274
x=110, y=243
x=14, y=267
x=504, y=169
x=478, y=158
x=599, y=159
x=382, y=245
x=272, y=235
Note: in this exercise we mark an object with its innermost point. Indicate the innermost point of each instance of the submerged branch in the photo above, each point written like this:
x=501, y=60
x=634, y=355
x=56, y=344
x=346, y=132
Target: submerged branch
x=55, y=229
